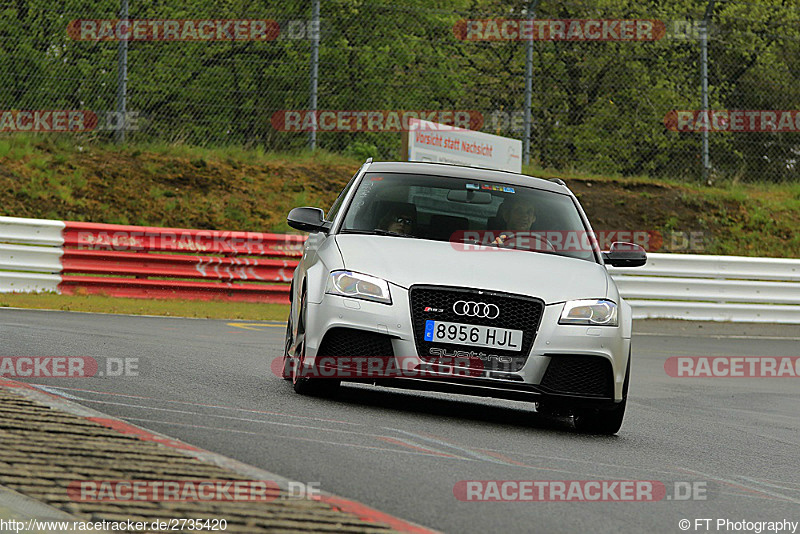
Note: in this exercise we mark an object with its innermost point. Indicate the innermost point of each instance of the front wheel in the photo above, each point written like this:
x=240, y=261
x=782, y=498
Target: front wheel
x=609, y=421
x=286, y=371
x=305, y=385
x=600, y=421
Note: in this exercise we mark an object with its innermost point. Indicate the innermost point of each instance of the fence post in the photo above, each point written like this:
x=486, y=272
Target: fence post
x=526, y=140
x=704, y=85
x=122, y=80
x=312, y=135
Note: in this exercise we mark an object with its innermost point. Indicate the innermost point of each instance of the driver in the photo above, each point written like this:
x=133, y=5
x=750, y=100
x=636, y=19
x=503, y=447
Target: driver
x=520, y=215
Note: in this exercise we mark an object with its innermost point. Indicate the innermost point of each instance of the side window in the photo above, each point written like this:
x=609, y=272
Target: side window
x=337, y=204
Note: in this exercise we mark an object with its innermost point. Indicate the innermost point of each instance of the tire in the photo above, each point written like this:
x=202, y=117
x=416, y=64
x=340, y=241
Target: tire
x=604, y=421
x=598, y=421
x=317, y=387
x=286, y=368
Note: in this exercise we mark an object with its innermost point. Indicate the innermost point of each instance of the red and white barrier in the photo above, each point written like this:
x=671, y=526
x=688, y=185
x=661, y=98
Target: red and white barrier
x=145, y=262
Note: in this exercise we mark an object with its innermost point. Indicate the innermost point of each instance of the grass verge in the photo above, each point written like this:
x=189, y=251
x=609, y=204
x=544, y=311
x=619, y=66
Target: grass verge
x=170, y=308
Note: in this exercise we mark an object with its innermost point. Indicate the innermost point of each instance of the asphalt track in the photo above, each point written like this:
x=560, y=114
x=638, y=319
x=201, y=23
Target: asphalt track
x=209, y=383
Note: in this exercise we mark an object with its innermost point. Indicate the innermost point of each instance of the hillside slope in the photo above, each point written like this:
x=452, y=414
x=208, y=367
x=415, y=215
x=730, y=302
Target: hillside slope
x=238, y=189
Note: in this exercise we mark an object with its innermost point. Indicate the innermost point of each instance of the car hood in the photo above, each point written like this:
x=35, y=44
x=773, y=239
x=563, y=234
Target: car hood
x=405, y=262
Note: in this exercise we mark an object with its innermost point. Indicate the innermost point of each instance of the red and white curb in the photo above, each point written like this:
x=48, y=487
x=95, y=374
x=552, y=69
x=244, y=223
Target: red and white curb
x=57, y=401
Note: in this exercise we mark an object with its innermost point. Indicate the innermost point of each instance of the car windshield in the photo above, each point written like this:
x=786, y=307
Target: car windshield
x=468, y=213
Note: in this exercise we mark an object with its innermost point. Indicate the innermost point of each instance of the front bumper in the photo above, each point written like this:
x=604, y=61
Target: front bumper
x=552, y=341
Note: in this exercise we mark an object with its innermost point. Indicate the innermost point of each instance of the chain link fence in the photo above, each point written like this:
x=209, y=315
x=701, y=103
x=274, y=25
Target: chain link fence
x=239, y=72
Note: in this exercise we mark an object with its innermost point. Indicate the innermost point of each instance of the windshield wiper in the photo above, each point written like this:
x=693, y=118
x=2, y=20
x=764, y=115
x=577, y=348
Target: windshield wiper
x=376, y=231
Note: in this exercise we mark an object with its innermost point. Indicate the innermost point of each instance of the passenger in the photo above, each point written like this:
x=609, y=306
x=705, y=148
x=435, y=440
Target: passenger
x=399, y=220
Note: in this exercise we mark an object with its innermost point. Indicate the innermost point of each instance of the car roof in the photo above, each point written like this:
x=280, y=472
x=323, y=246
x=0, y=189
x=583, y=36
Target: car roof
x=467, y=173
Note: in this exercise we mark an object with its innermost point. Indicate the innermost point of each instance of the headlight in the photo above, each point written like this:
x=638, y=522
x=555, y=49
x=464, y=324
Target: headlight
x=358, y=286
x=590, y=312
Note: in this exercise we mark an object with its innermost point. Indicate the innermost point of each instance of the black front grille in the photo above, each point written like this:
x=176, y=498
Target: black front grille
x=340, y=342
x=516, y=312
x=579, y=375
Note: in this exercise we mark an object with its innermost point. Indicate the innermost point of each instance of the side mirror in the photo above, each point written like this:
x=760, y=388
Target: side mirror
x=625, y=255
x=307, y=219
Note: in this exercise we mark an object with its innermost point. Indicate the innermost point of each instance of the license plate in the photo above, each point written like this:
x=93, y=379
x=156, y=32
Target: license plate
x=474, y=335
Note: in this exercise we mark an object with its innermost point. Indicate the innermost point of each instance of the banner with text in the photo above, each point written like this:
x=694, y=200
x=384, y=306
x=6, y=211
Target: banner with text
x=440, y=143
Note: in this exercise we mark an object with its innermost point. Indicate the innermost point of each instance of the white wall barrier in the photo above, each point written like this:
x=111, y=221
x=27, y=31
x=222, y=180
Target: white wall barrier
x=670, y=286
x=713, y=288
x=33, y=262
x=31, y=231
x=27, y=258
x=73, y=257
x=28, y=282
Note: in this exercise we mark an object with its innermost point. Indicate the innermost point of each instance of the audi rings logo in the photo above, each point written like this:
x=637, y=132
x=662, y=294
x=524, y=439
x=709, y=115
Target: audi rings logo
x=476, y=309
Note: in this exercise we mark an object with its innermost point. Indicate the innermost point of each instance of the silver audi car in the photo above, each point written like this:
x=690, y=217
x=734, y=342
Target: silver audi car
x=457, y=279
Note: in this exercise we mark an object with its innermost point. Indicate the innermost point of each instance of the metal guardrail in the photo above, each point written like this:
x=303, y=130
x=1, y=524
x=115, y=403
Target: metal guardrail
x=118, y=260
x=178, y=266
x=14, y=282
x=31, y=231
x=145, y=262
x=97, y=236
x=713, y=288
x=29, y=254
x=30, y=258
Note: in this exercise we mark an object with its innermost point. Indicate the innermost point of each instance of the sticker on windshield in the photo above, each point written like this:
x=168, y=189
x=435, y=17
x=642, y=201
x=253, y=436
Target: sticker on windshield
x=473, y=186
x=499, y=188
